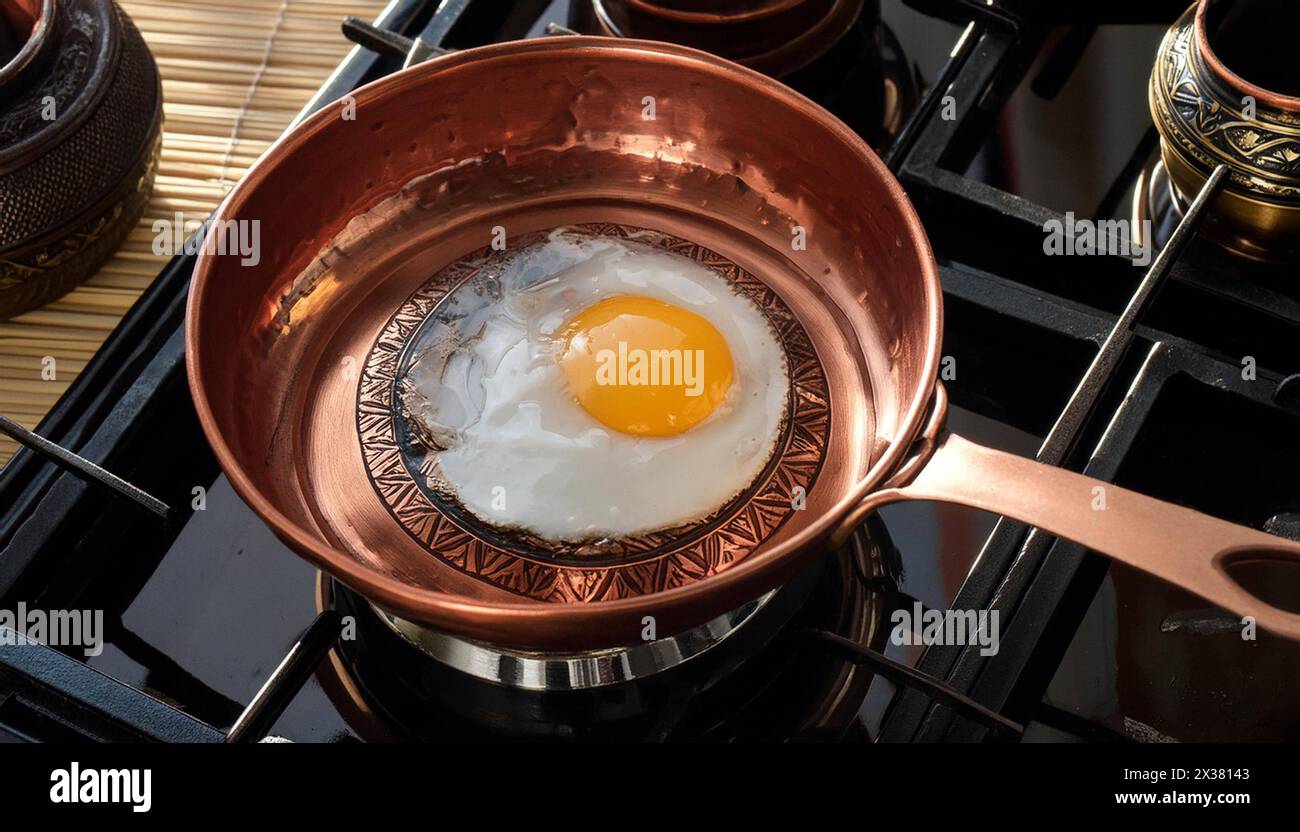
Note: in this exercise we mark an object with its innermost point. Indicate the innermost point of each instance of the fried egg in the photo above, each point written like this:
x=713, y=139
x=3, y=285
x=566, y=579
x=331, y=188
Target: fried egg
x=587, y=388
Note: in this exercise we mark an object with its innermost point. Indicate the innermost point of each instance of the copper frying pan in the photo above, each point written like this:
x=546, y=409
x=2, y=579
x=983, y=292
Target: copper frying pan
x=368, y=211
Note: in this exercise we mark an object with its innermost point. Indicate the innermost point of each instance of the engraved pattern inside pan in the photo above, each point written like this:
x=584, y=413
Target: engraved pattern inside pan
x=536, y=569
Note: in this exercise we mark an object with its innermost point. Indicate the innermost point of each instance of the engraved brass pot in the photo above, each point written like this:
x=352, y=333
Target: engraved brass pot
x=80, y=137
x=1202, y=108
x=292, y=358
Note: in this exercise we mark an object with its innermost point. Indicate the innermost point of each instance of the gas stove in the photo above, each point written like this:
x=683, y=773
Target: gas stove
x=213, y=630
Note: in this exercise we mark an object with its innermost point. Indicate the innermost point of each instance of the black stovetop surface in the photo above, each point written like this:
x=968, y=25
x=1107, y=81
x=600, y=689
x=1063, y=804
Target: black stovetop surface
x=201, y=610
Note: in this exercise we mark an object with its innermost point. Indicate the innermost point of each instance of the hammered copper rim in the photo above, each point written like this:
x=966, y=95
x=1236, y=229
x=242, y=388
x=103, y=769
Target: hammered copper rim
x=533, y=624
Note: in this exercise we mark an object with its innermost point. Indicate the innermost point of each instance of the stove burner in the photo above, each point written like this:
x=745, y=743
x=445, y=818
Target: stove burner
x=1157, y=201
x=588, y=669
x=745, y=674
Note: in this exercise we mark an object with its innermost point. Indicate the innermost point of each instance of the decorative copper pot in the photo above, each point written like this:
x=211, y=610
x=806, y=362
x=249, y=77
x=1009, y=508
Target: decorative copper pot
x=776, y=37
x=80, y=136
x=1224, y=90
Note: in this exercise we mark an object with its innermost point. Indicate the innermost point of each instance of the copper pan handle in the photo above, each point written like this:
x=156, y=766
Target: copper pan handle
x=1179, y=545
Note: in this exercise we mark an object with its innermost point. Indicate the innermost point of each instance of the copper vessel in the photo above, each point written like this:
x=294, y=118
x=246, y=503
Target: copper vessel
x=777, y=37
x=291, y=359
x=1210, y=110
x=839, y=53
x=80, y=138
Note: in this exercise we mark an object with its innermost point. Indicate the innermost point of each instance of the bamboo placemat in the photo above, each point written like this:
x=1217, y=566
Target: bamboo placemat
x=234, y=73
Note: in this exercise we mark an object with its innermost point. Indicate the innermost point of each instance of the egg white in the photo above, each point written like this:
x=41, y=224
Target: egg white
x=517, y=450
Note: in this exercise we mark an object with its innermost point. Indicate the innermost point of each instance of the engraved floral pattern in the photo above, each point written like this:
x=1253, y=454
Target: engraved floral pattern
x=1209, y=126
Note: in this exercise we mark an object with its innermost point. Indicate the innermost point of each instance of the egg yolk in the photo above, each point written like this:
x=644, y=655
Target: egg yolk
x=645, y=367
